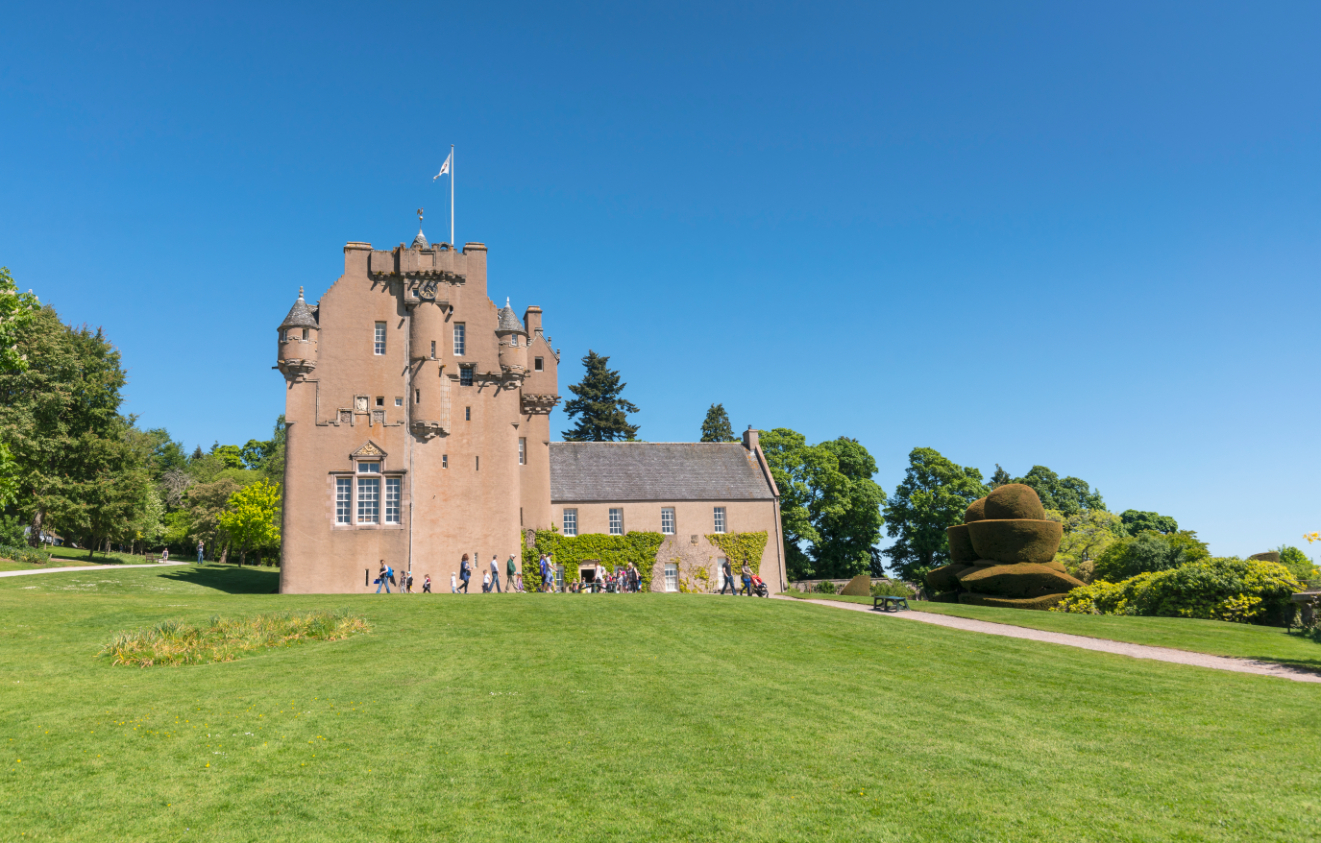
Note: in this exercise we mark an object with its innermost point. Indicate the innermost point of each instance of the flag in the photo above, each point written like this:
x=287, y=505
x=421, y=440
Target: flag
x=444, y=168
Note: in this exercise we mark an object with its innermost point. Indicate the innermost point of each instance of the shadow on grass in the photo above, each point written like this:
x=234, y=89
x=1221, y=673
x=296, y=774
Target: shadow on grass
x=230, y=579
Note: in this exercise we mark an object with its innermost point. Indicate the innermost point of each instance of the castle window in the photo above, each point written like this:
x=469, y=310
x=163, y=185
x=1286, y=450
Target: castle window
x=304, y=333
x=477, y=466
x=444, y=460
x=460, y=339
x=369, y=500
x=617, y=522
x=570, y=522
x=399, y=402
x=369, y=468
x=667, y=520
x=465, y=376
x=467, y=413
x=433, y=349
x=380, y=401
x=392, y=500
x=513, y=340
x=720, y=519
x=671, y=577
x=379, y=346
x=538, y=364
x=417, y=396
x=343, y=496
x=522, y=451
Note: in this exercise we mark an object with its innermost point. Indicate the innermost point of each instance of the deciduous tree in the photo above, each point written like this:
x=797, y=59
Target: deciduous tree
x=1136, y=522
x=16, y=311
x=1069, y=495
x=933, y=495
x=252, y=517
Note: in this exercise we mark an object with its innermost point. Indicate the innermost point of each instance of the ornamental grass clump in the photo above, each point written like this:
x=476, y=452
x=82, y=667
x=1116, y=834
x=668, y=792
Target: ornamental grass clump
x=173, y=643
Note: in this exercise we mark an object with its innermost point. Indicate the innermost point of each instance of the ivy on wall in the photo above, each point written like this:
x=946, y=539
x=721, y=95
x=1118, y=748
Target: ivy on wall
x=614, y=552
x=740, y=548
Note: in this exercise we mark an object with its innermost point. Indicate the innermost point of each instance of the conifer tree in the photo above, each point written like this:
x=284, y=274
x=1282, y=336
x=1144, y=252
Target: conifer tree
x=716, y=427
x=600, y=411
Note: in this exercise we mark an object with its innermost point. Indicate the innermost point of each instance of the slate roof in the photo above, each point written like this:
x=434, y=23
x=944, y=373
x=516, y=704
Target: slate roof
x=655, y=471
x=508, y=319
x=300, y=315
x=420, y=241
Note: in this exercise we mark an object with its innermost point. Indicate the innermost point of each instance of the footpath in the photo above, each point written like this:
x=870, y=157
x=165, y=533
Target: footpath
x=1102, y=645
x=86, y=568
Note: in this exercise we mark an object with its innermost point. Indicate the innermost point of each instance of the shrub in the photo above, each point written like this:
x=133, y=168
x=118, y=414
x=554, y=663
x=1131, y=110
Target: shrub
x=22, y=553
x=173, y=643
x=891, y=588
x=1013, y=541
x=825, y=587
x=1220, y=588
x=1297, y=563
x=1148, y=552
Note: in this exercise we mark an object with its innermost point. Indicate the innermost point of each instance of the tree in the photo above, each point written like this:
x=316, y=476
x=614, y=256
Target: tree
x=829, y=505
x=1297, y=562
x=1069, y=495
x=205, y=502
x=16, y=311
x=231, y=456
x=251, y=517
x=1147, y=552
x=1000, y=477
x=1087, y=534
x=273, y=468
x=600, y=410
x=716, y=426
x=933, y=495
x=1136, y=522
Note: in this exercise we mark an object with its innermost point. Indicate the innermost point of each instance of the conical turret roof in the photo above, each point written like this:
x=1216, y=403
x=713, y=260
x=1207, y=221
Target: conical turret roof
x=508, y=321
x=420, y=241
x=300, y=315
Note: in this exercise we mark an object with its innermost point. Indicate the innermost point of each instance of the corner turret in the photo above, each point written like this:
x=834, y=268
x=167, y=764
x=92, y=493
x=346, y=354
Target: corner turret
x=298, y=341
x=513, y=344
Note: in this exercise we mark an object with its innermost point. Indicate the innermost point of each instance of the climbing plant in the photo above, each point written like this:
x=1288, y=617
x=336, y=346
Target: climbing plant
x=740, y=548
x=613, y=552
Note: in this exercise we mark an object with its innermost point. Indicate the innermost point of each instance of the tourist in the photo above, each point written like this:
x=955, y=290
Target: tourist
x=634, y=578
x=383, y=577
x=495, y=573
x=408, y=581
x=465, y=573
x=747, y=579
x=545, y=573
x=511, y=570
x=518, y=583
x=426, y=584
x=165, y=555
x=486, y=583
x=727, y=574
x=454, y=589
x=199, y=551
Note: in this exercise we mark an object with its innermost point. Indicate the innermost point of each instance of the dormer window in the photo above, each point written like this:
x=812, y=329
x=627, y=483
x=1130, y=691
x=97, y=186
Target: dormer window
x=369, y=468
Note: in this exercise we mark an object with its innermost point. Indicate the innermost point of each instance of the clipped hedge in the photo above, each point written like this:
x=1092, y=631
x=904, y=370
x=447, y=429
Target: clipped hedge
x=1014, y=500
x=1219, y=588
x=613, y=552
x=1012, y=541
x=859, y=586
x=960, y=545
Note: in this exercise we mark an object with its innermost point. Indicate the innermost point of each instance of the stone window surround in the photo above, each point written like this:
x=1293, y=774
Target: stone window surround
x=384, y=474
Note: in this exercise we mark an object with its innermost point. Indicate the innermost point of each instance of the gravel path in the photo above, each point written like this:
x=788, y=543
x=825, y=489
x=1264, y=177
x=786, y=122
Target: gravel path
x=85, y=568
x=1119, y=648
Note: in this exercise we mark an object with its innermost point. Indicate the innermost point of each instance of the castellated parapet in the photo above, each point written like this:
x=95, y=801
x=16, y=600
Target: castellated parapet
x=418, y=417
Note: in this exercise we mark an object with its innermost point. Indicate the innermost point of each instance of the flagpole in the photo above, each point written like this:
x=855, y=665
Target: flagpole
x=452, y=244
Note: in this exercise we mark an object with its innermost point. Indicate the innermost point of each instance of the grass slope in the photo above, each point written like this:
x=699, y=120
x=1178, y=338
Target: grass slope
x=642, y=717
x=1217, y=638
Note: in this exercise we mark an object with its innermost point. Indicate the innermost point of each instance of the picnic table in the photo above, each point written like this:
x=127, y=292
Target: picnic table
x=888, y=603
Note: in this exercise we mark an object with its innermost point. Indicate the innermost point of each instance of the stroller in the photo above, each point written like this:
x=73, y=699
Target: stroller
x=759, y=588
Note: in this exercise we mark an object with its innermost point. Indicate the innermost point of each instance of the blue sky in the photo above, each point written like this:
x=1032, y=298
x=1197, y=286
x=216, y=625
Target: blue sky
x=1082, y=235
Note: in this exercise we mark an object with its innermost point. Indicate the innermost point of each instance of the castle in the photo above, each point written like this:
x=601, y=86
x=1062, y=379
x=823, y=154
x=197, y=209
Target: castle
x=418, y=430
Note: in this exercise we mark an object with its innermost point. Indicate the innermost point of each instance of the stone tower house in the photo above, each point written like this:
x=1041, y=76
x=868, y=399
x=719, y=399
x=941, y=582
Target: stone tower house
x=418, y=418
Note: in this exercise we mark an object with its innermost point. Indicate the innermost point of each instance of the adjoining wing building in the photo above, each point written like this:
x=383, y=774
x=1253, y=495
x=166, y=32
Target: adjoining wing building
x=418, y=416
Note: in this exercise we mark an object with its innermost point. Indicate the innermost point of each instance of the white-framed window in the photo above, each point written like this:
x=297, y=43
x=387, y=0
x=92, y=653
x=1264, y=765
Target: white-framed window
x=522, y=450
x=616, y=521
x=369, y=500
x=398, y=402
x=671, y=576
x=378, y=346
x=667, y=520
x=570, y=522
x=369, y=468
x=343, y=499
x=513, y=340
x=392, y=485
x=559, y=577
x=444, y=460
x=720, y=519
x=460, y=339
x=433, y=349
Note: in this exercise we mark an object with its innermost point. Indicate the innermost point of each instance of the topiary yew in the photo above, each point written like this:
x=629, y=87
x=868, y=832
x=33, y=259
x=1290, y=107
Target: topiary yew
x=944, y=578
x=1014, y=500
x=1268, y=556
x=1043, y=603
x=976, y=511
x=1016, y=540
x=960, y=545
x=859, y=586
x=1018, y=581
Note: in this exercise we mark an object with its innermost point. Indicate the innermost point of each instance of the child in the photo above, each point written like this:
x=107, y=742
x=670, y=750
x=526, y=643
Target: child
x=486, y=583
x=454, y=587
x=426, y=584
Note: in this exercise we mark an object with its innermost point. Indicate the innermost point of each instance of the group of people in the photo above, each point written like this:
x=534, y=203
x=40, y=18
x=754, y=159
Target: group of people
x=490, y=579
x=623, y=581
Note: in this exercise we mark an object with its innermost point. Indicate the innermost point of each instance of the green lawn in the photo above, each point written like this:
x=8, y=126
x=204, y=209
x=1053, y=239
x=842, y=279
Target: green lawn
x=613, y=717
x=1217, y=638
x=63, y=558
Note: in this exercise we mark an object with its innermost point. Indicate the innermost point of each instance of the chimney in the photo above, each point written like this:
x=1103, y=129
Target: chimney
x=532, y=321
x=750, y=439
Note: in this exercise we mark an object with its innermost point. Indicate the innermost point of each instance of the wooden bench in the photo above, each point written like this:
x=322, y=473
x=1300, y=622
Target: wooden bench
x=888, y=603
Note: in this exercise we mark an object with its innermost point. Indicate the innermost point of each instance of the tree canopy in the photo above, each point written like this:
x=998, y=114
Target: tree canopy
x=598, y=406
x=16, y=311
x=716, y=426
x=933, y=495
x=1147, y=552
x=830, y=508
x=1136, y=522
x=1068, y=495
